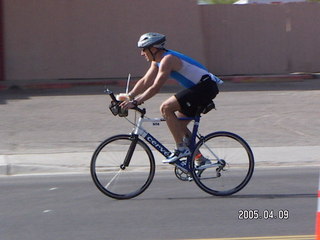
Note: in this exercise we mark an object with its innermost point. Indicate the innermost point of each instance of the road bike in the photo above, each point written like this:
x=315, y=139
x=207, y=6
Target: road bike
x=123, y=166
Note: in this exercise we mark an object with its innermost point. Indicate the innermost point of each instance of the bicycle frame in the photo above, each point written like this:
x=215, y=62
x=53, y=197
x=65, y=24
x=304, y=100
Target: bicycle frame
x=140, y=131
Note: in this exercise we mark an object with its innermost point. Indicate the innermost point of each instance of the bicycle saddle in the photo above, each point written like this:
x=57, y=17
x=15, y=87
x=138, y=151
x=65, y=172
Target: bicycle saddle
x=208, y=108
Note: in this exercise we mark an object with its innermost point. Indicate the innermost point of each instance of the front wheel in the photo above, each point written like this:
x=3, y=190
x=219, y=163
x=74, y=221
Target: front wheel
x=116, y=177
x=230, y=164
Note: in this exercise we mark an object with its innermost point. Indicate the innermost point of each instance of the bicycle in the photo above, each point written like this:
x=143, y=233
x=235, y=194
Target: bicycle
x=123, y=166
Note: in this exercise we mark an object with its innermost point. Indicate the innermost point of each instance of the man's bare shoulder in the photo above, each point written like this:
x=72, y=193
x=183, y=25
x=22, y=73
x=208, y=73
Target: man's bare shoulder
x=172, y=61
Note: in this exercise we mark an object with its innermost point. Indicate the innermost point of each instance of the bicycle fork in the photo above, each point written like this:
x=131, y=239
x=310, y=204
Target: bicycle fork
x=132, y=147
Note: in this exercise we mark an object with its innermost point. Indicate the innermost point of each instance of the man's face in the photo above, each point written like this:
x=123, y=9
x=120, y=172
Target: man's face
x=147, y=54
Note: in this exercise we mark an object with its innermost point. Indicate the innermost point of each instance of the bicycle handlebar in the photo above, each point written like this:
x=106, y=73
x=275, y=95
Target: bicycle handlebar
x=142, y=111
x=110, y=93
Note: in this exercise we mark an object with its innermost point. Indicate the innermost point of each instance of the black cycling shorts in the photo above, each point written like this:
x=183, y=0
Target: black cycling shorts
x=200, y=94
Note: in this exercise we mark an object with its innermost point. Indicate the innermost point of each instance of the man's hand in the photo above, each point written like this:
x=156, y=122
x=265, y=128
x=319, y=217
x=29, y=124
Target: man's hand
x=128, y=104
x=123, y=97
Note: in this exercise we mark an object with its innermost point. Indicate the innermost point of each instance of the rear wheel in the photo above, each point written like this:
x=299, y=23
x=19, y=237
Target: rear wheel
x=232, y=164
x=113, y=176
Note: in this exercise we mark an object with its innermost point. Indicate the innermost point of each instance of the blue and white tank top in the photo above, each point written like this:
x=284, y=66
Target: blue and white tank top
x=191, y=71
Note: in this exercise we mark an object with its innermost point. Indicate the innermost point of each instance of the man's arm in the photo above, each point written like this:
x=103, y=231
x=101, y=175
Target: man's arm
x=145, y=82
x=166, y=66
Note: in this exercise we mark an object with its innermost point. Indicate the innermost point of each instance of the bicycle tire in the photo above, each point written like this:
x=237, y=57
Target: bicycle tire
x=236, y=156
x=108, y=173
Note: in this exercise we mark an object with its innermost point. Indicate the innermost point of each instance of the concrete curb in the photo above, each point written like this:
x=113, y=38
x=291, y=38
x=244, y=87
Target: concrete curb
x=79, y=162
x=64, y=84
x=269, y=78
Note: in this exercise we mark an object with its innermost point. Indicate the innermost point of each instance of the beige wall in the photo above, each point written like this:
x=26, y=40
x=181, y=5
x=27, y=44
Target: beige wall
x=57, y=39
x=50, y=39
x=262, y=39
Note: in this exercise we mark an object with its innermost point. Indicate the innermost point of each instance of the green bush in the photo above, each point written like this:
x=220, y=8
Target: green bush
x=232, y=1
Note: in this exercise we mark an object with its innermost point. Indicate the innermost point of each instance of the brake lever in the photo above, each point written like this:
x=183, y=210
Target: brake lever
x=110, y=93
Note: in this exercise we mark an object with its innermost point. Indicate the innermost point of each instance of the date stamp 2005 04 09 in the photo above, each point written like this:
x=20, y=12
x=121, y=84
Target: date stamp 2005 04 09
x=267, y=214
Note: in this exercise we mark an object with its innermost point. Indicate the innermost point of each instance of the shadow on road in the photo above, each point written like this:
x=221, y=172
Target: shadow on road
x=237, y=196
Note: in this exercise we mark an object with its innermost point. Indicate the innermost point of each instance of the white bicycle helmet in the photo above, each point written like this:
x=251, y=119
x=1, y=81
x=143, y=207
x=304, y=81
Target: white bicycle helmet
x=148, y=40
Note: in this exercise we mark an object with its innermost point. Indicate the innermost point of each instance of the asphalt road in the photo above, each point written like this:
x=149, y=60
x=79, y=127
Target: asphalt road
x=60, y=207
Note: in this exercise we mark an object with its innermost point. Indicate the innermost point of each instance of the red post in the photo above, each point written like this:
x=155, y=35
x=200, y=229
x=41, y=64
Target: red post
x=2, y=74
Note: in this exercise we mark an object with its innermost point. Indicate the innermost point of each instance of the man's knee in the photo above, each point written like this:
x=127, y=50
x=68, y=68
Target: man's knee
x=165, y=108
x=171, y=105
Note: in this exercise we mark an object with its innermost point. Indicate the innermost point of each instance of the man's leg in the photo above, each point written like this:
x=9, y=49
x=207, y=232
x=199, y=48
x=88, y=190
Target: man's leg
x=178, y=128
x=184, y=125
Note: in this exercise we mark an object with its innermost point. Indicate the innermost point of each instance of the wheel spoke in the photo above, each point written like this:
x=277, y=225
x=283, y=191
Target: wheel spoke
x=114, y=177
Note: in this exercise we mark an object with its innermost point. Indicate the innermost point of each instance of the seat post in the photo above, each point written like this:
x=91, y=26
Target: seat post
x=194, y=131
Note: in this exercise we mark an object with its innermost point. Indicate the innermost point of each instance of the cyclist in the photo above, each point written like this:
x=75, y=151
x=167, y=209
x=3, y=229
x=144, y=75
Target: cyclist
x=200, y=88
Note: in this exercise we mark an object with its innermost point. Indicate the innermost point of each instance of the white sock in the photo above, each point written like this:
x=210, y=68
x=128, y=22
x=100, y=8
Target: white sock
x=181, y=146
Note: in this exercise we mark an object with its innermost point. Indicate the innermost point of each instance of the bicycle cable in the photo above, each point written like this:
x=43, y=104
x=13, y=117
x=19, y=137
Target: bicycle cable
x=135, y=119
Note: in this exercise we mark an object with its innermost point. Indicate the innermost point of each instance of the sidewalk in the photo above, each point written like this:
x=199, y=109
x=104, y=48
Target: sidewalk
x=58, y=133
